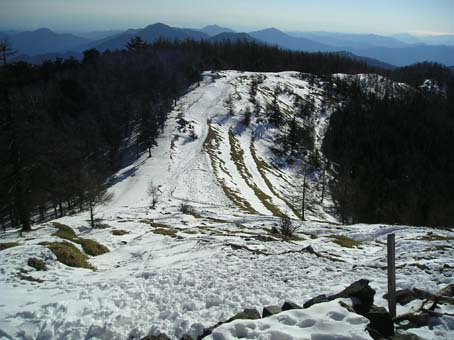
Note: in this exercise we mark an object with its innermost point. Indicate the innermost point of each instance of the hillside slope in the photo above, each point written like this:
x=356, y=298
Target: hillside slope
x=179, y=272
x=223, y=163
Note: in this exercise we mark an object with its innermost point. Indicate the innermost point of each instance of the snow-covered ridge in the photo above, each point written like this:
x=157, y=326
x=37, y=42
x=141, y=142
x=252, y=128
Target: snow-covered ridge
x=375, y=84
x=178, y=273
x=229, y=164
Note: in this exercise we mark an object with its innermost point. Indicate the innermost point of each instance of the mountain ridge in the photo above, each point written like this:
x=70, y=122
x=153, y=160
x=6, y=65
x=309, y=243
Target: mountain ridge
x=387, y=50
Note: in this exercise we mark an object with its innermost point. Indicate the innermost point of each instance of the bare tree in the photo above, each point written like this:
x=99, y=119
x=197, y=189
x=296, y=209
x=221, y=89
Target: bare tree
x=299, y=194
x=154, y=192
x=6, y=50
x=96, y=195
x=94, y=191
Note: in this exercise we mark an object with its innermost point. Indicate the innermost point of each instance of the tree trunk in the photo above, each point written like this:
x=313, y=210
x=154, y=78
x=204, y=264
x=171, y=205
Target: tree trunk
x=11, y=216
x=92, y=218
x=323, y=186
x=41, y=213
x=303, y=204
x=24, y=217
x=60, y=207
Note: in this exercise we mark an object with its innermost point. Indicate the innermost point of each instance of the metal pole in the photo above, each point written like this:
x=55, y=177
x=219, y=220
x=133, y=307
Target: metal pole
x=391, y=275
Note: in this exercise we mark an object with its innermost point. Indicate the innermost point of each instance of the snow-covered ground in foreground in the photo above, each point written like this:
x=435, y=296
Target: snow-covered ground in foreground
x=221, y=258
x=319, y=322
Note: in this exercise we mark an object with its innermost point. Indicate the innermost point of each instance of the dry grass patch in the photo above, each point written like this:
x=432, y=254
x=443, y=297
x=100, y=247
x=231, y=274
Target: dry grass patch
x=7, y=245
x=237, y=155
x=165, y=232
x=211, y=146
x=91, y=247
x=344, y=241
x=159, y=225
x=436, y=237
x=64, y=231
x=120, y=232
x=262, y=167
x=190, y=231
x=69, y=255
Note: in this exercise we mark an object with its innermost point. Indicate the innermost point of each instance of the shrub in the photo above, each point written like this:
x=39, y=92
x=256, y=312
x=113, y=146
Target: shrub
x=37, y=263
x=69, y=255
x=286, y=227
x=186, y=208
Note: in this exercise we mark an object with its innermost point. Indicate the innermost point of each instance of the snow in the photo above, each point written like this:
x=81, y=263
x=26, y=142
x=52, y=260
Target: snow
x=320, y=322
x=218, y=262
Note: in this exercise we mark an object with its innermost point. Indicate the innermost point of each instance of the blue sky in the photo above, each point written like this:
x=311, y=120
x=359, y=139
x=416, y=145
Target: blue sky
x=366, y=16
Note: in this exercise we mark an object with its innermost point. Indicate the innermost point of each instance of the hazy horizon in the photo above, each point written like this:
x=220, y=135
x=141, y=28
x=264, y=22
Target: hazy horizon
x=416, y=17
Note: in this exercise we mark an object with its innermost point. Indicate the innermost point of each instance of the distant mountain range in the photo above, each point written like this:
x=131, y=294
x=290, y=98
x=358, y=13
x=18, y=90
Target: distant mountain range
x=275, y=37
x=213, y=30
x=150, y=33
x=43, y=41
x=343, y=40
x=376, y=50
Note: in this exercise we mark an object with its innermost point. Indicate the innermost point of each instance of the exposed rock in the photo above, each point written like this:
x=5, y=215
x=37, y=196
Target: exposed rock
x=156, y=337
x=447, y=291
x=309, y=250
x=271, y=310
x=403, y=296
x=423, y=295
x=346, y=306
x=186, y=337
x=318, y=299
x=361, y=294
x=290, y=305
x=248, y=314
x=412, y=320
x=404, y=337
x=374, y=334
x=381, y=322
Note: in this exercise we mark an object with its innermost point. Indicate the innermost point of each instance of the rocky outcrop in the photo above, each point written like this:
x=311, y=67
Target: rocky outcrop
x=318, y=299
x=271, y=310
x=290, y=305
x=247, y=314
x=362, y=296
x=156, y=337
x=381, y=324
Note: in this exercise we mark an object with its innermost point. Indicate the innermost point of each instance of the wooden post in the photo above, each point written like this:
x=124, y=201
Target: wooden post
x=391, y=275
